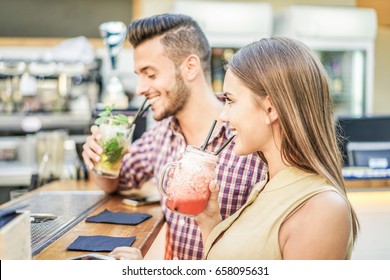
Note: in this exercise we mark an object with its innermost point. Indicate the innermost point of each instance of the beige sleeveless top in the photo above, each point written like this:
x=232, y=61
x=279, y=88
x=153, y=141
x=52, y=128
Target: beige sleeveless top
x=252, y=232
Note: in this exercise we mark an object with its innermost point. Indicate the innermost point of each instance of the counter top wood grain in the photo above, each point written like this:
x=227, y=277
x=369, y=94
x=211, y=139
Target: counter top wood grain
x=145, y=232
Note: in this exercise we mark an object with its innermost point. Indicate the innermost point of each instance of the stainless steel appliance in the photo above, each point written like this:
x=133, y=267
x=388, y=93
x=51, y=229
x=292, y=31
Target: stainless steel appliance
x=343, y=38
x=15, y=171
x=114, y=35
x=33, y=86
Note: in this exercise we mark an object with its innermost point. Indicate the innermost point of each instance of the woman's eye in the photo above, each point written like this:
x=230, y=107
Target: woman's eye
x=228, y=101
x=151, y=76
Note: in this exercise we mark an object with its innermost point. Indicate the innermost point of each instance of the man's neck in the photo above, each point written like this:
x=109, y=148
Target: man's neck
x=197, y=117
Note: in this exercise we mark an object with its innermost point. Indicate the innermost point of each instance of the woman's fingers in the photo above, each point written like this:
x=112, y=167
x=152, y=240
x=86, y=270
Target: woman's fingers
x=210, y=216
x=214, y=188
x=212, y=205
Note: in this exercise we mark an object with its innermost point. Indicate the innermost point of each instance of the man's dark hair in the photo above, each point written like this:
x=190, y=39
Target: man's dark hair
x=181, y=36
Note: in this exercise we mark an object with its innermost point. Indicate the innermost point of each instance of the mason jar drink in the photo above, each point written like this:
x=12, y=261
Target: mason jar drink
x=187, y=192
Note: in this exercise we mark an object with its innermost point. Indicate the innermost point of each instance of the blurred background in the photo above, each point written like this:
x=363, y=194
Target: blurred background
x=55, y=68
x=56, y=72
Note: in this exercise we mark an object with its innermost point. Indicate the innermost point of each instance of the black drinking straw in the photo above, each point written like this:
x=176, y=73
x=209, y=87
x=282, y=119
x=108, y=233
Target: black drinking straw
x=224, y=145
x=140, y=112
x=203, y=147
x=144, y=110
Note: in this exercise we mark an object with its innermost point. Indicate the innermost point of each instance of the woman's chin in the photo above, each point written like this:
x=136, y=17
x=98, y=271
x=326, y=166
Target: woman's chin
x=239, y=151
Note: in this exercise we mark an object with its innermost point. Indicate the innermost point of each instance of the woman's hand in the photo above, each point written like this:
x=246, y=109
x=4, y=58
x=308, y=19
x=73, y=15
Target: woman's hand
x=126, y=253
x=211, y=215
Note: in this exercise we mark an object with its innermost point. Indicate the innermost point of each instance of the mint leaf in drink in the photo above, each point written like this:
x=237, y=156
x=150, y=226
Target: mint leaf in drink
x=114, y=155
x=111, y=145
x=99, y=121
x=105, y=113
x=120, y=119
x=108, y=117
x=113, y=150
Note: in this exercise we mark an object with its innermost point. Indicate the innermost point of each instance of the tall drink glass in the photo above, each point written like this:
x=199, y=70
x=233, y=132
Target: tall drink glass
x=115, y=138
x=187, y=192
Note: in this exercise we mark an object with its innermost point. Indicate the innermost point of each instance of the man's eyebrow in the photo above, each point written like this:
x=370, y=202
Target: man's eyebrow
x=143, y=69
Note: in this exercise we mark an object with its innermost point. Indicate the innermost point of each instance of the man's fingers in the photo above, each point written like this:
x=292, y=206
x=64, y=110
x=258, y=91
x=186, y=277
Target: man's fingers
x=91, y=149
x=126, y=253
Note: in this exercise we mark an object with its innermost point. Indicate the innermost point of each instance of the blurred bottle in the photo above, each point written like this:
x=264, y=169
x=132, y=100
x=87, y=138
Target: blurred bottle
x=72, y=164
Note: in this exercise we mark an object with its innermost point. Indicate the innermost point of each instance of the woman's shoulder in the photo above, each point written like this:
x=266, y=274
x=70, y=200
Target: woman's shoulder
x=326, y=206
x=323, y=215
x=331, y=201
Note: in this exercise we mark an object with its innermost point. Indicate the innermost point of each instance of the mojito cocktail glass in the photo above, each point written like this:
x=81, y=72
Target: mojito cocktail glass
x=115, y=138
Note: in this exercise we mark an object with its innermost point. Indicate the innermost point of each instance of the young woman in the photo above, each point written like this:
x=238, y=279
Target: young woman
x=278, y=104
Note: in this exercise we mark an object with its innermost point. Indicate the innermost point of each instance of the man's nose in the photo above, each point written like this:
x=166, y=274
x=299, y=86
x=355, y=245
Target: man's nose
x=142, y=87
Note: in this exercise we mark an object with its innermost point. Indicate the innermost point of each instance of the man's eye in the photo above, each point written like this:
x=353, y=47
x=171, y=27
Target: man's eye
x=152, y=76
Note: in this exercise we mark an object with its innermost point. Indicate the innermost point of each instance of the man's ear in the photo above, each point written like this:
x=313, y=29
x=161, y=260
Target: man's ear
x=191, y=67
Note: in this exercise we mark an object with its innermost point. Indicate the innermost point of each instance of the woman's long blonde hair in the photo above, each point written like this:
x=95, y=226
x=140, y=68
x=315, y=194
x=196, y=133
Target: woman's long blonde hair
x=294, y=79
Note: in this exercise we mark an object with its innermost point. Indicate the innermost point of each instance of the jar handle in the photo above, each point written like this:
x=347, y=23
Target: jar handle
x=162, y=182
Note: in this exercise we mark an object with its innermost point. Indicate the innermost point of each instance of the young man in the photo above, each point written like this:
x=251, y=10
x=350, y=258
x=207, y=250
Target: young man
x=172, y=59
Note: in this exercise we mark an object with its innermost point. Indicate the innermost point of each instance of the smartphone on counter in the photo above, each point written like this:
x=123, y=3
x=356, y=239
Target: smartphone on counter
x=141, y=200
x=92, y=256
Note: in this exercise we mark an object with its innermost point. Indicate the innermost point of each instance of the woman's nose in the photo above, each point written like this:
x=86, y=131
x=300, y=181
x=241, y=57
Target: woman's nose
x=223, y=116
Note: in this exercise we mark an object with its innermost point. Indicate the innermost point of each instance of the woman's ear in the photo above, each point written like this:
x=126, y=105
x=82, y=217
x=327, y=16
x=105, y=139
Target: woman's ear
x=272, y=115
x=191, y=67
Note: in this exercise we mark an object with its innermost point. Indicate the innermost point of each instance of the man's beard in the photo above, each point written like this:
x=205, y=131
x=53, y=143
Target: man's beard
x=177, y=98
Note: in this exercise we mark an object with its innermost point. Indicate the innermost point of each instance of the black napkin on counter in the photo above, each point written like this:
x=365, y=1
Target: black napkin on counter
x=122, y=218
x=100, y=243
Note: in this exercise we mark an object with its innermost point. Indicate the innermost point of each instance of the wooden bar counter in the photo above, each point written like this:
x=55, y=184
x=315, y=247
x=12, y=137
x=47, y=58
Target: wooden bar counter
x=145, y=232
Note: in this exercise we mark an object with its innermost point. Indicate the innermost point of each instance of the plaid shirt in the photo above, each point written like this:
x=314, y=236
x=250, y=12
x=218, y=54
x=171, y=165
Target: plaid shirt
x=165, y=143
